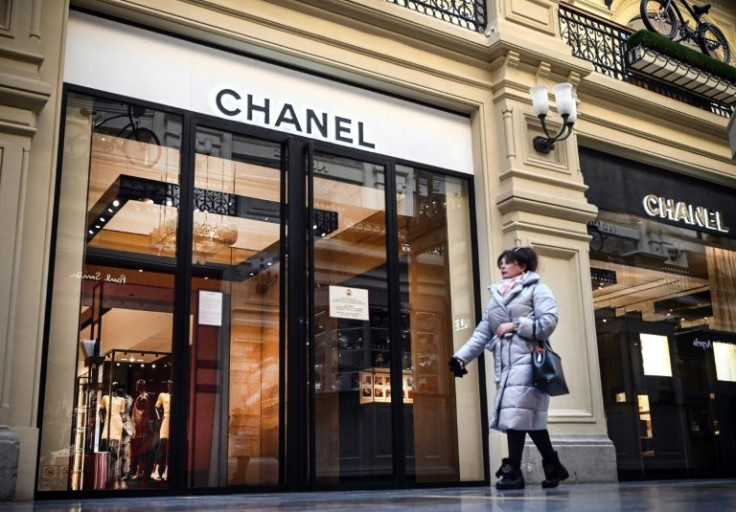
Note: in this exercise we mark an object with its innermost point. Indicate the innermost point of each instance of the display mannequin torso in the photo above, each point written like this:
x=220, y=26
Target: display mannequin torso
x=142, y=412
x=114, y=408
x=164, y=402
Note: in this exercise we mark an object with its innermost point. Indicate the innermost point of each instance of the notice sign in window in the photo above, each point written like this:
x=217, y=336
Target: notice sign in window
x=655, y=355
x=210, y=308
x=725, y=356
x=350, y=303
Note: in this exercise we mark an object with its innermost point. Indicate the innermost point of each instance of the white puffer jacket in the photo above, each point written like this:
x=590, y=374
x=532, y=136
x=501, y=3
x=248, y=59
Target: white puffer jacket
x=518, y=405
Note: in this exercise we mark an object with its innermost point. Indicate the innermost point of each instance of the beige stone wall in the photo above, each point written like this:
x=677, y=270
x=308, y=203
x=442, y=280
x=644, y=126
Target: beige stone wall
x=31, y=34
x=521, y=196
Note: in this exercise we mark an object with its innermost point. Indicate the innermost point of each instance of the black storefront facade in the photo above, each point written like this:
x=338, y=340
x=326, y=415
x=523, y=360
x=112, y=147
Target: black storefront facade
x=206, y=224
x=662, y=273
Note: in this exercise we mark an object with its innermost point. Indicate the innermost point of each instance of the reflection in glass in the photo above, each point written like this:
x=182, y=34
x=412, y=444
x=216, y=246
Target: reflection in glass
x=234, y=347
x=435, y=254
x=352, y=401
x=110, y=327
x=668, y=288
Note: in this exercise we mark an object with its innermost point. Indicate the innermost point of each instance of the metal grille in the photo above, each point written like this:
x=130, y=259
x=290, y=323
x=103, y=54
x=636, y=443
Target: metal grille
x=469, y=14
x=604, y=44
x=214, y=201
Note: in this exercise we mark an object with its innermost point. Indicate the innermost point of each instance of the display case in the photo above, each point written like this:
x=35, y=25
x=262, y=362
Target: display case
x=115, y=410
x=375, y=386
x=346, y=347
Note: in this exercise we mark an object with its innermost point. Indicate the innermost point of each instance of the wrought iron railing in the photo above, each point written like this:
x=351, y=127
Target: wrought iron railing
x=603, y=43
x=464, y=13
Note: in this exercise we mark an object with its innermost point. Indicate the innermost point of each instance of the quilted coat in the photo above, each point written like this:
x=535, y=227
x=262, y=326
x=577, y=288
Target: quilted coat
x=518, y=405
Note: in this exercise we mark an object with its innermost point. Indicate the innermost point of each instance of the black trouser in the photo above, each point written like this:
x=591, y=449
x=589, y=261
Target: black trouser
x=541, y=440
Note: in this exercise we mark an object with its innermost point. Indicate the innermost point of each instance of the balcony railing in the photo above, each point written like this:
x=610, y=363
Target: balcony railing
x=603, y=43
x=464, y=13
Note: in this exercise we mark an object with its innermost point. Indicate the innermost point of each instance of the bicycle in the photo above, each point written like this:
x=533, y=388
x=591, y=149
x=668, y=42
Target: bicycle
x=147, y=152
x=665, y=18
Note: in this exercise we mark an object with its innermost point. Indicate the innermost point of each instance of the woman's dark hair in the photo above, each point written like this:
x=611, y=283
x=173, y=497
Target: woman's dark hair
x=523, y=256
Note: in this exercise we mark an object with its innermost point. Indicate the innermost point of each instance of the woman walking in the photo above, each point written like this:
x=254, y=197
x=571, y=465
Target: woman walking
x=521, y=309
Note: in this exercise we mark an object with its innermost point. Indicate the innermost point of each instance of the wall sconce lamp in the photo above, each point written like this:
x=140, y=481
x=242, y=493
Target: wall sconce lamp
x=566, y=101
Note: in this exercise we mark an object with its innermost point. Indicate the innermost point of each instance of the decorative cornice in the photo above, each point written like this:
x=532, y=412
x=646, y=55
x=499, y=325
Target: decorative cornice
x=543, y=71
x=22, y=92
x=381, y=18
x=517, y=225
x=514, y=200
x=542, y=178
x=155, y=17
x=513, y=59
x=384, y=20
x=28, y=57
x=574, y=78
x=23, y=130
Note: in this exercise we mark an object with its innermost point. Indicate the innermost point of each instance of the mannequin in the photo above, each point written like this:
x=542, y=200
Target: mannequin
x=143, y=421
x=116, y=431
x=128, y=432
x=163, y=404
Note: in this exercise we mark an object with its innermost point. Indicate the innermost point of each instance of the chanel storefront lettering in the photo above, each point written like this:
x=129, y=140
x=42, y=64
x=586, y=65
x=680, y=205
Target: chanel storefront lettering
x=306, y=121
x=680, y=211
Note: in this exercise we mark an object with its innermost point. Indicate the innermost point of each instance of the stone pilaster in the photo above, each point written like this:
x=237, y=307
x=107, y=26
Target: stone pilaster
x=9, y=448
x=31, y=49
x=540, y=202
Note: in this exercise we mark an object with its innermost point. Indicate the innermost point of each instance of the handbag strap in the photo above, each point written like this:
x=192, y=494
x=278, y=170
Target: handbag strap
x=540, y=343
x=534, y=324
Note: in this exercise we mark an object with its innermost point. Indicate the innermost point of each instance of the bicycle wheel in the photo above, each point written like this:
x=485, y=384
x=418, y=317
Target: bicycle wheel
x=714, y=43
x=144, y=148
x=660, y=17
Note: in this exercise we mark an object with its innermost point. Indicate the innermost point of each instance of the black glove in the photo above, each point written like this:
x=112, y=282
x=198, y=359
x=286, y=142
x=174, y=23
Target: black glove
x=457, y=367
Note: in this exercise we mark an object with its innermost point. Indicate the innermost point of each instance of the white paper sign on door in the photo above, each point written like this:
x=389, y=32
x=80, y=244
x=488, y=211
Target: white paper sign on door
x=210, y=308
x=351, y=303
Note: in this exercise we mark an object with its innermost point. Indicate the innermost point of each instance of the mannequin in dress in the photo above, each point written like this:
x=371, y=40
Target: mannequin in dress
x=142, y=442
x=163, y=404
x=115, y=435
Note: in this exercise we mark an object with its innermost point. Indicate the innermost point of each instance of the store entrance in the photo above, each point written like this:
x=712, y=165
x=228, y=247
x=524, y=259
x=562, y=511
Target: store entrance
x=384, y=408
x=254, y=311
x=234, y=412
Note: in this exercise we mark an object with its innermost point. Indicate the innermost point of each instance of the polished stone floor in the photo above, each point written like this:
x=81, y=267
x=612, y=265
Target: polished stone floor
x=671, y=496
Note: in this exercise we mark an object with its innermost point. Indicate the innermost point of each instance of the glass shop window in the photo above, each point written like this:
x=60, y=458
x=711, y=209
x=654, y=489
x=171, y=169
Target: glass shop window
x=655, y=354
x=655, y=272
x=106, y=418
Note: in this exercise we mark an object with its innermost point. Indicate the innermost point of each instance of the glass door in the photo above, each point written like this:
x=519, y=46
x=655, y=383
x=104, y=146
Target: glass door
x=390, y=302
x=437, y=303
x=236, y=332
x=352, y=415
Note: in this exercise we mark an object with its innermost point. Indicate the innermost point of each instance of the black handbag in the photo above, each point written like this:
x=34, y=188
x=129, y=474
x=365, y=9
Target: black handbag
x=547, y=374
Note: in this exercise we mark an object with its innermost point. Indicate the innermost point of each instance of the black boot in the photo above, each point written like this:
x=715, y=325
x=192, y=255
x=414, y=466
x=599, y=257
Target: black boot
x=554, y=472
x=510, y=475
